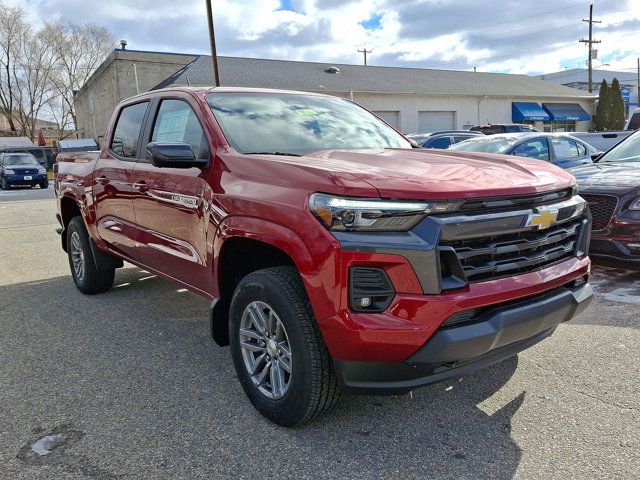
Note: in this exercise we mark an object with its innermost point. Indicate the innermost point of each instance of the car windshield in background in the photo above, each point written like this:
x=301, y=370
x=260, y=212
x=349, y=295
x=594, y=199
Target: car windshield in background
x=486, y=144
x=626, y=151
x=20, y=159
x=298, y=124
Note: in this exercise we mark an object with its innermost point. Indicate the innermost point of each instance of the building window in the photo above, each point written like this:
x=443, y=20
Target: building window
x=564, y=126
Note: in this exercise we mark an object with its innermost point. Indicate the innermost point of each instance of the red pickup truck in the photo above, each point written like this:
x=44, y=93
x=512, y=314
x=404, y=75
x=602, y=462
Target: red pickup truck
x=337, y=257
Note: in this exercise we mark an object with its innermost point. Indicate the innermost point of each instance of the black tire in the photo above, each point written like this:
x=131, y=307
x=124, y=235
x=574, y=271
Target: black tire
x=4, y=185
x=44, y=184
x=312, y=389
x=90, y=280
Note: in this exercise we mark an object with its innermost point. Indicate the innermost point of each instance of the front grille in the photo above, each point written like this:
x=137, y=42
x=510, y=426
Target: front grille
x=506, y=255
x=602, y=246
x=602, y=208
x=25, y=171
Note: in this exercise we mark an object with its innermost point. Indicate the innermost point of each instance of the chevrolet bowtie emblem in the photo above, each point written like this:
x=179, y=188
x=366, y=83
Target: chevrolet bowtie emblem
x=542, y=219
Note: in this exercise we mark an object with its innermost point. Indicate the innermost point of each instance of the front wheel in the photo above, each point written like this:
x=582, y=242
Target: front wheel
x=44, y=184
x=278, y=352
x=4, y=185
x=86, y=276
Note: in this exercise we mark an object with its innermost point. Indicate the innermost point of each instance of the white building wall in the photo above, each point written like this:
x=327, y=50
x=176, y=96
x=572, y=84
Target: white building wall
x=470, y=110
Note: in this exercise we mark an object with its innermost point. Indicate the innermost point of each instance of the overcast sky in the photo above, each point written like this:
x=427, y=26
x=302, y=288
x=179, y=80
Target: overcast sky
x=518, y=36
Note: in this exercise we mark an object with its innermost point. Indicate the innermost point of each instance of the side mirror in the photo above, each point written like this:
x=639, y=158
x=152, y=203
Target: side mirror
x=173, y=155
x=596, y=156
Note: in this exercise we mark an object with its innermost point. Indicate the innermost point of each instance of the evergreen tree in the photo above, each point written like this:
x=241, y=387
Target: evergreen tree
x=616, y=113
x=601, y=117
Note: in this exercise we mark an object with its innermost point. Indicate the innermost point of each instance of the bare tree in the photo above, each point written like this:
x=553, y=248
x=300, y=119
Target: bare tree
x=14, y=32
x=80, y=49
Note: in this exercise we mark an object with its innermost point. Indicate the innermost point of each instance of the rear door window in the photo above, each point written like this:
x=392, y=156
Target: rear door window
x=126, y=134
x=566, y=148
x=533, y=149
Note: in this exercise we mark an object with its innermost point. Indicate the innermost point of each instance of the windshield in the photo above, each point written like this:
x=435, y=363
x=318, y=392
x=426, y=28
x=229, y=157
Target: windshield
x=20, y=159
x=626, y=151
x=487, y=145
x=296, y=124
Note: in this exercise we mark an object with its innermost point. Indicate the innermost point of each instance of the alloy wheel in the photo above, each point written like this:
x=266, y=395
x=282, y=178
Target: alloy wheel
x=266, y=350
x=77, y=256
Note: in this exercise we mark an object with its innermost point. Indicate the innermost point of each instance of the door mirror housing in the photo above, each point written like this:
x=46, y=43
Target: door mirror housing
x=596, y=156
x=174, y=155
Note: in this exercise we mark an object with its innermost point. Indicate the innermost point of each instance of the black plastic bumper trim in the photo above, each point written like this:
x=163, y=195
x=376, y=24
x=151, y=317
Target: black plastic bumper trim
x=459, y=350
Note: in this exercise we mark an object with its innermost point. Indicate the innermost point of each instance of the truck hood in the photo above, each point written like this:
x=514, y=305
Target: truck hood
x=441, y=174
x=610, y=176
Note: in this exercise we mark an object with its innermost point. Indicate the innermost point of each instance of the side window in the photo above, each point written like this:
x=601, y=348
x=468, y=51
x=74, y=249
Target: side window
x=533, y=149
x=177, y=122
x=125, y=136
x=442, y=142
x=462, y=138
x=582, y=150
x=565, y=148
x=634, y=123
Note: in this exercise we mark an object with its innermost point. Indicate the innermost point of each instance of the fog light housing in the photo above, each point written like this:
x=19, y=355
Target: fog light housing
x=370, y=289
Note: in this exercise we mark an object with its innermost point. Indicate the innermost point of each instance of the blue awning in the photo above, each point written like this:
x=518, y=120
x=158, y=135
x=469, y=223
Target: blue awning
x=566, y=111
x=527, y=112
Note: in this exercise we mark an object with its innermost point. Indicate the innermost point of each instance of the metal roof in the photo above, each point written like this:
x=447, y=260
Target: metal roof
x=10, y=142
x=313, y=76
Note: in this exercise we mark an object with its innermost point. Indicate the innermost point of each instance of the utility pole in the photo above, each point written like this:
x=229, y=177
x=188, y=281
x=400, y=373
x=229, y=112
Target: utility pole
x=212, y=41
x=590, y=42
x=365, y=51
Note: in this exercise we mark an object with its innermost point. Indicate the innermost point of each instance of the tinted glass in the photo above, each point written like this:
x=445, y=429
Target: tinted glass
x=634, y=123
x=533, y=149
x=127, y=131
x=177, y=122
x=626, y=151
x=462, y=138
x=442, y=142
x=489, y=144
x=565, y=148
x=298, y=124
x=20, y=159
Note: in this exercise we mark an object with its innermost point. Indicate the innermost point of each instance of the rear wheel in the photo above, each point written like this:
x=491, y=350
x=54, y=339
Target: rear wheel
x=278, y=352
x=86, y=276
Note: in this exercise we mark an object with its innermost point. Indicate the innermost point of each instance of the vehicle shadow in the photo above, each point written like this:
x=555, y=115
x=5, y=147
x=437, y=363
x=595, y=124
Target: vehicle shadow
x=135, y=373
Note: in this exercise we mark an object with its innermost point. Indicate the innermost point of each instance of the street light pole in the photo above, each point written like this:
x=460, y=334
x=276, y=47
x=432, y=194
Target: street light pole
x=212, y=41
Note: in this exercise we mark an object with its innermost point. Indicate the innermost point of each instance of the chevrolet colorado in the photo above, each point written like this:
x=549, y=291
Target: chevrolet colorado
x=337, y=257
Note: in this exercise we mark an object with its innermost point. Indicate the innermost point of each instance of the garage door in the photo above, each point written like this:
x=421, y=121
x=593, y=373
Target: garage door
x=436, y=121
x=392, y=118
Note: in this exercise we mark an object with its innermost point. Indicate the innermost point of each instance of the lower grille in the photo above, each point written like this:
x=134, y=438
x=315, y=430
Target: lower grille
x=602, y=208
x=505, y=255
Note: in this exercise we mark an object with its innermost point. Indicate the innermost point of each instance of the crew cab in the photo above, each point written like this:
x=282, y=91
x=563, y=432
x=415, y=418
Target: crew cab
x=337, y=257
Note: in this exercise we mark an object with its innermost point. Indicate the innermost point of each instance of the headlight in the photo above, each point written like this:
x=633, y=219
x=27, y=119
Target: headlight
x=635, y=204
x=42, y=170
x=8, y=171
x=370, y=214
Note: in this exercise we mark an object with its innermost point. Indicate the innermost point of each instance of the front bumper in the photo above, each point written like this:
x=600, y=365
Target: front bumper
x=620, y=240
x=495, y=335
x=20, y=179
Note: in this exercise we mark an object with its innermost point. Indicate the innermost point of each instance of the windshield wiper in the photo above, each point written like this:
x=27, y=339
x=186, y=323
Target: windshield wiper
x=286, y=154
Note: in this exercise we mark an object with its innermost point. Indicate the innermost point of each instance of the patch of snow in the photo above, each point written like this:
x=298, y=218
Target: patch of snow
x=48, y=443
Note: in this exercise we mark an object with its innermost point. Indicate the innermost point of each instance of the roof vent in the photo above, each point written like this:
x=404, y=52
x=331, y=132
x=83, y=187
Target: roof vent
x=332, y=69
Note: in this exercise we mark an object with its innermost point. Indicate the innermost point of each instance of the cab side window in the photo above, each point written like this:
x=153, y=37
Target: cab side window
x=566, y=148
x=127, y=132
x=177, y=122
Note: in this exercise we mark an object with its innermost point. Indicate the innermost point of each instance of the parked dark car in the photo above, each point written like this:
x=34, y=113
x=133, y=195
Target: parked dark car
x=503, y=128
x=21, y=169
x=611, y=186
x=562, y=150
x=442, y=139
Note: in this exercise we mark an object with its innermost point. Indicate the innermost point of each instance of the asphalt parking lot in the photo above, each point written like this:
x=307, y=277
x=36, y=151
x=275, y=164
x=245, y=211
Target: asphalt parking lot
x=131, y=386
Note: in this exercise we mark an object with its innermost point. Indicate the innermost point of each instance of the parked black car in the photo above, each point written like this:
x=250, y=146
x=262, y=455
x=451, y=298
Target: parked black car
x=21, y=169
x=494, y=129
x=560, y=149
x=442, y=139
x=611, y=186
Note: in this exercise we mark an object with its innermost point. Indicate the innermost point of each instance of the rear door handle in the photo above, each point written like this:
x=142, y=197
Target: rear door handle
x=142, y=186
x=102, y=180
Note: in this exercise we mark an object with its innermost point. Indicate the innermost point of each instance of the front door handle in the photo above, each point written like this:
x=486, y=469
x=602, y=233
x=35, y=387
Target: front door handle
x=102, y=180
x=141, y=186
